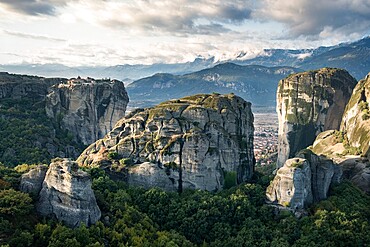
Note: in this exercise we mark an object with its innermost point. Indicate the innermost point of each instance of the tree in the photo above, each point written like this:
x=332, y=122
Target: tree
x=15, y=203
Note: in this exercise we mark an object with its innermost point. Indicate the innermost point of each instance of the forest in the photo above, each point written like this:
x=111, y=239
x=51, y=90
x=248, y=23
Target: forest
x=238, y=216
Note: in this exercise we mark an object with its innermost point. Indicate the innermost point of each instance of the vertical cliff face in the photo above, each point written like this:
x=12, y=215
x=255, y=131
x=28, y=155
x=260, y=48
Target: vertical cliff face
x=307, y=104
x=86, y=107
x=66, y=194
x=193, y=142
x=356, y=118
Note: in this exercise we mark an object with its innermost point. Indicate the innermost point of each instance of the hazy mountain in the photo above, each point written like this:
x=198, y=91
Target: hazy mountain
x=353, y=57
x=254, y=83
x=125, y=72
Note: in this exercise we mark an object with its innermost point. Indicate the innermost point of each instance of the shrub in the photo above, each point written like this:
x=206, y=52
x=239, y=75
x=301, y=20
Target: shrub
x=113, y=156
x=229, y=179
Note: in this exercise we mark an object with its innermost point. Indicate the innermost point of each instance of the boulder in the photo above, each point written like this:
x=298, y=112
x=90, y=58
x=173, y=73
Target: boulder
x=291, y=186
x=31, y=182
x=66, y=194
x=191, y=142
x=303, y=180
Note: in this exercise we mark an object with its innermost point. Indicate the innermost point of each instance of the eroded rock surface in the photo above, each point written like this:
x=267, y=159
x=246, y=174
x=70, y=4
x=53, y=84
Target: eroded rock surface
x=292, y=184
x=31, y=182
x=187, y=143
x=66, y=194
x=335, y=146
x=307, y=104
x=356, y=119
x=303, y=180
x=88, y=108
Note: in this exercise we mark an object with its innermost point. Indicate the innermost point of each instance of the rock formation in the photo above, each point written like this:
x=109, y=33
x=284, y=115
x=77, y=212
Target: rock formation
x=356, y=118
x=66, y=193
x=303, y=180
x=192, y=142
x=33, y=88
x=307, y=104
x=291, y=185
x=349, y=147
x=88, y=108
x=31, y=182
x=335, y=146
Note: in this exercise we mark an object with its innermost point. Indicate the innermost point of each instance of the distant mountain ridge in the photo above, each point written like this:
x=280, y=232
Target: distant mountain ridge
x=353, y=56
x=254, y=83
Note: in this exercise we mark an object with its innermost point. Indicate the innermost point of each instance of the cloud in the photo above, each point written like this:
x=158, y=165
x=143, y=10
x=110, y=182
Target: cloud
x=318, y=19
x=33, y=7
x=179, y=17
x=33, y=36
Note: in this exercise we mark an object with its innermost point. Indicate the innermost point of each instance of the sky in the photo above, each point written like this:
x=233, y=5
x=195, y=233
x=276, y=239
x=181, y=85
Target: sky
x=111, y=32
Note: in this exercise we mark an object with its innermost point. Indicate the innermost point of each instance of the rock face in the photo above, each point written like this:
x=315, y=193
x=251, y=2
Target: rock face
x=307, y=104
x=356, y=118
x=303, y=180
x=31, y=182
x=66, y=193
x=323, y=173
x=292, y=184
x=88, y=108
x=335, y=145
x=357, y=170
x=192, y=142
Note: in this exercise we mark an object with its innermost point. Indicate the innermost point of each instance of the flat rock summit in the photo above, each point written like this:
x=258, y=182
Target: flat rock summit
x=193, y=142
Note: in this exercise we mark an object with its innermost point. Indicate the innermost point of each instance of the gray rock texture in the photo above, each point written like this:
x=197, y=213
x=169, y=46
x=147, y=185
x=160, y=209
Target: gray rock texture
x=291, y=186
x=356, y=118
x=31, y=182
x=303, y=180
x=335, y=146
x=357, y=170
x=323, y=174
x=66, y=194
x=88, y=108
x=191, y=142
x=307, y=104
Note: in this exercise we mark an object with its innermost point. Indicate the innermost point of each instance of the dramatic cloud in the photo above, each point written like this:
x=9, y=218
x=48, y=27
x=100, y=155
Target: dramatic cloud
x=33, y=7
x=171, y=16
x=109, y=32
x=317, y=18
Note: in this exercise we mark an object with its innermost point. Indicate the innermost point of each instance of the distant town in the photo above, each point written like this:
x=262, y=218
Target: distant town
x=265, y=138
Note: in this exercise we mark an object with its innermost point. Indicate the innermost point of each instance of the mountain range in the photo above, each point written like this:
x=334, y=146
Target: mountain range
x=254, y=83
x=253, y=79
x=353, y=57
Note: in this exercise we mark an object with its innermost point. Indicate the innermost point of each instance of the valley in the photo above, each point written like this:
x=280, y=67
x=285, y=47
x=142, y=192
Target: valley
x=187, y=159
x=265, y=138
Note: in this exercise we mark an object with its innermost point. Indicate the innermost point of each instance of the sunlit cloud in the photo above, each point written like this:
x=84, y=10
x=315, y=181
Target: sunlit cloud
x=89, y=32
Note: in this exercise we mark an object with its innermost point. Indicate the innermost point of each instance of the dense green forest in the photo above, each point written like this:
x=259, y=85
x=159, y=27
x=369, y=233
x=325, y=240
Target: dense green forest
x=28, y=135
x=238, y=216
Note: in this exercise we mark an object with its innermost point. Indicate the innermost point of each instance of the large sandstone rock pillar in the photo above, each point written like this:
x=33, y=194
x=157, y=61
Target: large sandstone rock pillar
x=307, y=104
